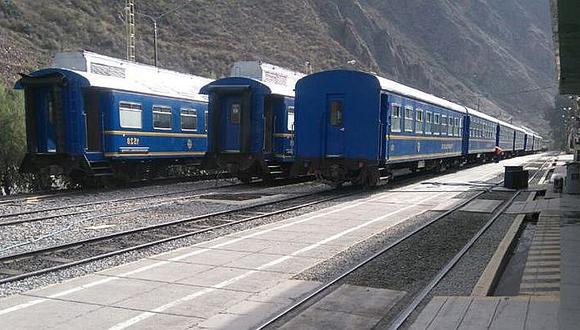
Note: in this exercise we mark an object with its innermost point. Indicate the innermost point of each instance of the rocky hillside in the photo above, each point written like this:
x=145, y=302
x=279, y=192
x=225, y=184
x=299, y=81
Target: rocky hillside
x=469, y=51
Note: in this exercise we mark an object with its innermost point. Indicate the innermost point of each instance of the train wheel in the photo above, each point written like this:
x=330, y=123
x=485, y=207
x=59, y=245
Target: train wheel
x=372, y=178
x=43, y=181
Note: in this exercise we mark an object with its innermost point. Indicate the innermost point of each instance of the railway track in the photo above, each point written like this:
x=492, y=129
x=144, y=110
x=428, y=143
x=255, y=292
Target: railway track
x=23, y=265
x=110, y=206
x=397, y=322
x=14, y=200
x=19, y=266
x=8, y=218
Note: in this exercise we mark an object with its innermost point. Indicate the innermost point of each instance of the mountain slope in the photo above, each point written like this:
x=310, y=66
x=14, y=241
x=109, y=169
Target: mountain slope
x=471, y=51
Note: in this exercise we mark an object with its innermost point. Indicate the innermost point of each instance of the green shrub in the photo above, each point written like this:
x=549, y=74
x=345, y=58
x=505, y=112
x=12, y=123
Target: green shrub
x=9, y=8
x=12, y=134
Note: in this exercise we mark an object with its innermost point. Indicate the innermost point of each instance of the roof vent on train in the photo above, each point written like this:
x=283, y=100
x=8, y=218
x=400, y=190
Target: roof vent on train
x=266, y=73
x=110, y=72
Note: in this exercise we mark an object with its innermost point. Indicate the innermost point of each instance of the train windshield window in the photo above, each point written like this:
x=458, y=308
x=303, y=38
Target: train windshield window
x=161, y=117
x=188, y=119
x=428, y=122
x=236, y=113
x=408, y=119
x=336, y=113
x=130, y=115
x=396, y=118
x=419, y=121
x=290, y=119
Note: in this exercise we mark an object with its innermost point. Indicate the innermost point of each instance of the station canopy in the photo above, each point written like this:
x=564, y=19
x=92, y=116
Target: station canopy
x=566, y=21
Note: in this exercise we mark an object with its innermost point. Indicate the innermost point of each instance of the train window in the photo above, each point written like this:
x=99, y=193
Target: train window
x=419, y=121
x=444, y=125
x=428, y=122
x=436, y=124
x=188, y=119
x=408, y=119
x=451, y=126
x=396, y=118
x=336, y=113
x=457, y=126
x=130, y=115
x=161, y=117
x=236, y=113
x=290, y=119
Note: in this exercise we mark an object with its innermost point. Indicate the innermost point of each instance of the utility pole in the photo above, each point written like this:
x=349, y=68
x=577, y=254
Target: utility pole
x=154, y=19
x=130, y=26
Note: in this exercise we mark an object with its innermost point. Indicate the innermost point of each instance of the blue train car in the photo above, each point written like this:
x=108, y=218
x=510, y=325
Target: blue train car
x=354, y=126
x=93, y=117
x=481, y=136
x=520, y=141
x=251, y=121
x=506, y=134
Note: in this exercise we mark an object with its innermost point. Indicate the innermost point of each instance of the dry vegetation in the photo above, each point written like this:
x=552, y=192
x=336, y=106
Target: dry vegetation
x=461, y=50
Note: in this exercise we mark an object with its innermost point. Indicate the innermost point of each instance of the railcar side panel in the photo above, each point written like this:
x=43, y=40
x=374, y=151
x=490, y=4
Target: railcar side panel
x=482, y=135
x=154, y=127
x=423, y=131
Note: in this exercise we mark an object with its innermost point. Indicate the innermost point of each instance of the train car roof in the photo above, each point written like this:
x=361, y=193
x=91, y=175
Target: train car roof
x=112, y=73
x=395, y=87
x=279, y=80
x=530, y=131
x=267, y=87
x=506, y=124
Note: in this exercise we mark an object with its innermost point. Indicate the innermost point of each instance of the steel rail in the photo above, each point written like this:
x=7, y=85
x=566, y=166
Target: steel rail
x=192, y=220
x=116, y=200
x=418, y=299
x=11, y=199
x=389, y=247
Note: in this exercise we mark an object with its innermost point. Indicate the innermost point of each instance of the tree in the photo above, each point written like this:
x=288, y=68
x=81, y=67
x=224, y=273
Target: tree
x=12, y=135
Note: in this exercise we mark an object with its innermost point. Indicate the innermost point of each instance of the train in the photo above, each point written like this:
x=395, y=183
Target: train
x=251, y=121
x=358, y=127
x=95, y=118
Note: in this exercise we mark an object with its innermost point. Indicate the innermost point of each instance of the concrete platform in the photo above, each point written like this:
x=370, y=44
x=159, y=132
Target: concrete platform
x=530, y=313
x=482, y=206
x=239, y=280
x=349, y=306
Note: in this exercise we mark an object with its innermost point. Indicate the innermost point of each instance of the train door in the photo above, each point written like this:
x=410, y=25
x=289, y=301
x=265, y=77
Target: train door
x=93, y=122
x=335, y=126
x=466, y=133
x=45, y=117
x=384, y=128
x=231, y=119
x=269, y=122
x=48, y=107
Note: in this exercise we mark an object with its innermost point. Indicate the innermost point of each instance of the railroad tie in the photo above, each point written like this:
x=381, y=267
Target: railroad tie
x=542, y=270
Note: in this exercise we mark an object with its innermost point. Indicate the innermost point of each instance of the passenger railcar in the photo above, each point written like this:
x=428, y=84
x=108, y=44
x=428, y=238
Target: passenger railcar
x=520, y=141
x=481, y=135
x=354, y=126
x=506, y=138
x=93, y=117
x=251, y=121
